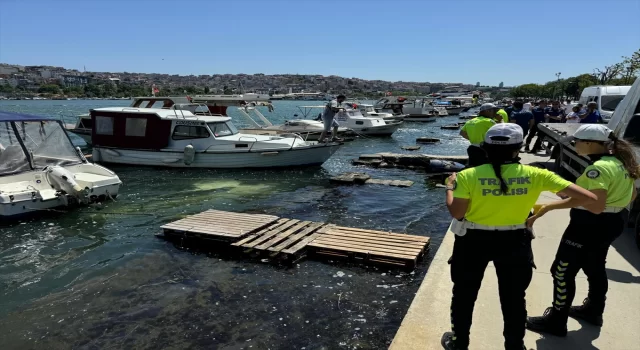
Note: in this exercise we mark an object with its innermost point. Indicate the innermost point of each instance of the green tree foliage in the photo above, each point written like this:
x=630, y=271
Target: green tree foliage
x=49, y=89
x=623, y=73
x=6, y=88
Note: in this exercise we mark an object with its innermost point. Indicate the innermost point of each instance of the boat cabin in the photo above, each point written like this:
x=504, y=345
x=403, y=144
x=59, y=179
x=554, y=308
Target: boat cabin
x=29, y=143
x=155, y=129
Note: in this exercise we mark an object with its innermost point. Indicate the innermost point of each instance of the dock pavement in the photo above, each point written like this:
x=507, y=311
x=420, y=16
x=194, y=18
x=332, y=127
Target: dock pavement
x=428, y=316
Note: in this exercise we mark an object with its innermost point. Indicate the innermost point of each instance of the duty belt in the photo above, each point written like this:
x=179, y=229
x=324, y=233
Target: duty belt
x=606, y=209
x=474, y=226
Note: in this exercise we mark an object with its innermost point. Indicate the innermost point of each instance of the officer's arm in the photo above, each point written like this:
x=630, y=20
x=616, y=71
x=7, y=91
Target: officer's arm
x=579, y=197
x=457, y=206
x=464, y=134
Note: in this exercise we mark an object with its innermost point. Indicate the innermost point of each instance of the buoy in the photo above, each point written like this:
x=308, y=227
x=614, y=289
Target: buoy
x=189, y=154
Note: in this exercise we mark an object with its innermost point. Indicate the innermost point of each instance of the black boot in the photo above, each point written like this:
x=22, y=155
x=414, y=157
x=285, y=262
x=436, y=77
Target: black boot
x=552, y=322
x=588, y=311
x=449, y=343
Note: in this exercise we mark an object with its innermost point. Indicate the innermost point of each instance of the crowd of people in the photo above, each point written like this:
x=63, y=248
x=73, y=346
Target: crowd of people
x=599, y=202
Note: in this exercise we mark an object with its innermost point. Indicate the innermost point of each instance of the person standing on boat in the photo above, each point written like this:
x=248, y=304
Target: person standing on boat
x=328, y=118
x=484, y=234
x=475, y=129
x=592, y=229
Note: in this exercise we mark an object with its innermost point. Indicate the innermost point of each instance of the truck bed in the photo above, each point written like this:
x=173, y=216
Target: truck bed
x=557, y=131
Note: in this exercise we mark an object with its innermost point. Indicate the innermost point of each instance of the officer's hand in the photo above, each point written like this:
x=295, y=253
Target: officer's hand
x=562, y=195
x=539, y=213
x=451, y=179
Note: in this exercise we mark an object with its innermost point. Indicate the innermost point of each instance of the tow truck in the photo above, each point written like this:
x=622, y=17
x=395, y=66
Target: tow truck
x=625, y=123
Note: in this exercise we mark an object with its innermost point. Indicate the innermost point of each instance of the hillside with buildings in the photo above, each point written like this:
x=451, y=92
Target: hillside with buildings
x=17, y=80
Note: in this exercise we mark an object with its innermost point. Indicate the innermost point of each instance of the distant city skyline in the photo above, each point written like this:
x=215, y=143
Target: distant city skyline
x=412, y=41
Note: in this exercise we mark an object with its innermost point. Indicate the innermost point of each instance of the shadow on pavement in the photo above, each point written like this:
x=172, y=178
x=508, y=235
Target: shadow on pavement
x=581, y=339
x=626, y=246
x=622, y=276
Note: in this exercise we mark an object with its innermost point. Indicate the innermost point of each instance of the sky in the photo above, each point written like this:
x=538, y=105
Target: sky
x=491, y=41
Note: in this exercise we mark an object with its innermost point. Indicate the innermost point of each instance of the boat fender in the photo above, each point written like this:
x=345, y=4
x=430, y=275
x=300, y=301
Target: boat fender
x=189, y=154
x=62, y=179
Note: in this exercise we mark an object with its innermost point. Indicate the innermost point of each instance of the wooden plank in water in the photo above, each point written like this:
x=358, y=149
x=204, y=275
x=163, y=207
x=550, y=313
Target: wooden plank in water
x=275, y=231
x=302, y=244
x=294, y=238
x=391, y=240
x=363, y=251
x=282, y=235
x=369, y=242
x=372, y=248
x=226, y=225
x=260, y=232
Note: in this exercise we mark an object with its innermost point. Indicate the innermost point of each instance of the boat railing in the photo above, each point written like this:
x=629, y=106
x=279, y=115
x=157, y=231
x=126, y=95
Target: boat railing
x=255, y=140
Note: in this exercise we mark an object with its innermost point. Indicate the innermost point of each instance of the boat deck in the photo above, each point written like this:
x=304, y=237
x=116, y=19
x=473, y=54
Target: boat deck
x=291, y=239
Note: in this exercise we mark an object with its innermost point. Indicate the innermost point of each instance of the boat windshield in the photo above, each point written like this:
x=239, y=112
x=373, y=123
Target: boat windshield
x=222, y=129
x=45, y=141
x=369, y=109
x=610, y=102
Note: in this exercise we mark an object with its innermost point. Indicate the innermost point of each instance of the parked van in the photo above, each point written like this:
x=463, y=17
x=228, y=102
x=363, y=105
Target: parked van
x=607, y=97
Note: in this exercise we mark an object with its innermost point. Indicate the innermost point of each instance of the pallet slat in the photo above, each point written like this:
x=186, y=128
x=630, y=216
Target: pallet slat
x=281, y=236
x=313, y=227
x=260, y=232
x=386, y=239
x=261, y=239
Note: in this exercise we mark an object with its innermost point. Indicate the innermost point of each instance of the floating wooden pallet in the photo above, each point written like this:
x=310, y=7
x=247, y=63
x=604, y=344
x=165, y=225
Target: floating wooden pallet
x=369, y=245
x=293, y=238
x=222, y=225
x=286, y=236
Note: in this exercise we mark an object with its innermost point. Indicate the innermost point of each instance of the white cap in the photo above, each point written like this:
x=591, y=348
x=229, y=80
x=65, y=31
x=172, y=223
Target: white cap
x=488, y=106
x=504, y=134
x=593, y=132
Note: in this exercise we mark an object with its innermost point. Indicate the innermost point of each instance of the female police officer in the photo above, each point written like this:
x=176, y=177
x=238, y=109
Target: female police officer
x=592, y=228
x=491, y=204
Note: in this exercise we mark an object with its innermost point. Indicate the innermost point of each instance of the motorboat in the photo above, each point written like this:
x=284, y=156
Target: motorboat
x=180, y=138
x=352, y=118
x=40, y=169
x=369, y=111
x=411, y=111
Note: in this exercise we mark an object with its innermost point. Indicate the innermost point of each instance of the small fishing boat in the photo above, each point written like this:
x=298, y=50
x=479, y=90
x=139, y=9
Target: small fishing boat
x=353, y=119
x=179, y=138
x=40, y=169
x=410, y=111
x=369, y=111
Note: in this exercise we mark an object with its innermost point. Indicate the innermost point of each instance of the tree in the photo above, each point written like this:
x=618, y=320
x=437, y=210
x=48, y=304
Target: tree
x=49, y=89
x=608, y=73
x=109, y=89
x=6, y=88
x=631, y=67
x=206, y=90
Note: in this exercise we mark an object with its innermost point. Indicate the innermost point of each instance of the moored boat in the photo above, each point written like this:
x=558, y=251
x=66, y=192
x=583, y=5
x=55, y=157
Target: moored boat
x=40, y=169
x=180, y=138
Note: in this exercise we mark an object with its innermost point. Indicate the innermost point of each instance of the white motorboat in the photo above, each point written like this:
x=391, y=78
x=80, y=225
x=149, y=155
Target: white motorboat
x=352, y=118
x=40, y=169
x=411, y=111
x=308, y=129
x=180, y=138
x=369, y=111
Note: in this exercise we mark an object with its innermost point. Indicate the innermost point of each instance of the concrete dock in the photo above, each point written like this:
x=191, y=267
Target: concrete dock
x=428, y=316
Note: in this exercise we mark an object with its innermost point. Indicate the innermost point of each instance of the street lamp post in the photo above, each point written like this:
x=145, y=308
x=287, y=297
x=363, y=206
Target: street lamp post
x=558, y=84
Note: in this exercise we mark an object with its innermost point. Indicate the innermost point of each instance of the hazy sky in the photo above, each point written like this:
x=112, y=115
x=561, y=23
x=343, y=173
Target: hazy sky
x=413, y=40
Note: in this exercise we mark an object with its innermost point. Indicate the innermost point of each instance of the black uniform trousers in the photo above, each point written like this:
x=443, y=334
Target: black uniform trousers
x=584, y=245
x=512, y=257
x=477, y=156
x=533, y=132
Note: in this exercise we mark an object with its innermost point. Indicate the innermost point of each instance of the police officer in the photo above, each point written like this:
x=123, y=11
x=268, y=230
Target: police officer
x=474, y=131
x=485, y=234
x=592, y=228
x=539, y=116
x=555, y=114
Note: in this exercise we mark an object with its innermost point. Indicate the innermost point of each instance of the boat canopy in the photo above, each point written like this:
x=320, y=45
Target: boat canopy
x=29, y=142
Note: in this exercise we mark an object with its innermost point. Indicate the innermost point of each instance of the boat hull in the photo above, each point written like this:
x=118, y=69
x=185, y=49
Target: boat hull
x=306, y=135
x=300, y=156
x=455, y=111
x=382, y=130
x=420, y=118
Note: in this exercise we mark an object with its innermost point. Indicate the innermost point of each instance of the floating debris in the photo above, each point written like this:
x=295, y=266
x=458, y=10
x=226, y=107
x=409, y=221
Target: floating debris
x=429, y=163
x=363, y=178
x=427, y=140
x=450, y=127
x=411, y=148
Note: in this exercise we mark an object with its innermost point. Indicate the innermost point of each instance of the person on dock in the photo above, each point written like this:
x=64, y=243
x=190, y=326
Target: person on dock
x=475, y=129
x=484, y=234
x=592, y=228
x=591, y=115
x=538, y=117
x=555, y=114
x=522, y=117
x=328, y=117
x=573, y=117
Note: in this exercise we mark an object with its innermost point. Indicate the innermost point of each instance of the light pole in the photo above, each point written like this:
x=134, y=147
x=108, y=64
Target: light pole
x=558, y=84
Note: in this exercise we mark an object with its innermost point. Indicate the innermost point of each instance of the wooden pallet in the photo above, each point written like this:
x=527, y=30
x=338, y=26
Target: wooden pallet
x=369, y=245
x=221, y=225
x=285, y=236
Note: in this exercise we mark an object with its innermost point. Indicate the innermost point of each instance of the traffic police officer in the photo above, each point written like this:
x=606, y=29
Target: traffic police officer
x=474, y=131
x=485, y=234
x=592, y=228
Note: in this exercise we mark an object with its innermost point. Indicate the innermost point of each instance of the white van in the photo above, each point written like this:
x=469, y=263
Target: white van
x=607, y=97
